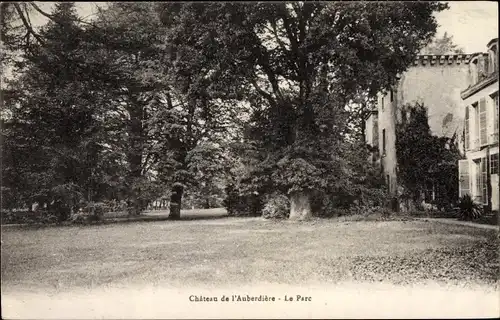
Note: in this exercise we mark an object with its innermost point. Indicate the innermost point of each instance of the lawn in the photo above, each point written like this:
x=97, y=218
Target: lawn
x=150, y=269
x=239, y=251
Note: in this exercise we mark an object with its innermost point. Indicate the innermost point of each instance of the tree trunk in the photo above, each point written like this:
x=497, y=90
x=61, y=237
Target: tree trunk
x=300, y=206
x=206, y=205
x=175, y=203
x=135, y=151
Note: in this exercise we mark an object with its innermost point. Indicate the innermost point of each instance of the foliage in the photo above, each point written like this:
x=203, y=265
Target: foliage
x=298, y=65
x=38, y=216
x=241, y=202
x=145, y=98
x=90, y=212
x=425, y=160
x=277, y=206
x=50, y=133
x=468, y=209
x=442, y=46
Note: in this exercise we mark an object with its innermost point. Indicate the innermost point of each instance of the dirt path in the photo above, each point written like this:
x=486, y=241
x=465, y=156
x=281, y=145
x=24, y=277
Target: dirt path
x=348, y=300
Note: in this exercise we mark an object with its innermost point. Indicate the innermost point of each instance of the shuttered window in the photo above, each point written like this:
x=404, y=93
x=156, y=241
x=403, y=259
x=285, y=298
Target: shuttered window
x=478, y=192
x=484, y=185
x=483, y=133
x=467, y=129
x=375, y=131
x=463, y=169
x=475, y=133
x=495, y=127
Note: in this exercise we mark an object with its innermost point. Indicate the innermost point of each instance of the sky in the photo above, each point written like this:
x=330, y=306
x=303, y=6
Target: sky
x=471, y=23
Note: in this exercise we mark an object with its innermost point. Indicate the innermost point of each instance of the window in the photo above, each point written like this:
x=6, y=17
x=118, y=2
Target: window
x=479, y=187
x=388, y=183
x=382, y=104
x=466, y=130
x=473, y=71
x=484, y=185
x=495, y=119
x=475, y=133
x=464, y=177
x=493, y=59
x=383, y=142
x=391, y=96
x=483, y=133
x=494, y=163
x=375, y=132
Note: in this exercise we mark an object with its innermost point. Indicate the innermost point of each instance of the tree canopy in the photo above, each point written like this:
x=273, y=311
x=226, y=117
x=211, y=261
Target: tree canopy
x=151, y=99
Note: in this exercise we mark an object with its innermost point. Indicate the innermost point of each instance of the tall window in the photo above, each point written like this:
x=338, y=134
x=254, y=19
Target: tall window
x=481, y=178
x=466, y=130
x=382, y=104
x=484, y=185
x=383, y=141
x=375, y=132
x=483, y=133
x=475, y=133
x=495, y=126
x=391, y=96
x=479, y=185
x=464, y=184
x=494, y=163
x=493, y=59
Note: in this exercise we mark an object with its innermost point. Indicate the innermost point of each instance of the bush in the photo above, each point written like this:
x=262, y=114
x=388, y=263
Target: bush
x=28, y=217
x=365, y=203
x=277, y=207
x=243, y=203
x=468, y=209
x=90, y=212
x=368, y=211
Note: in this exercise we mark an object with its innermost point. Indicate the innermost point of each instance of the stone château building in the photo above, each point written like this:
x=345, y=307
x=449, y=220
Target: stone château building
x=435, y=81
x=479, y=171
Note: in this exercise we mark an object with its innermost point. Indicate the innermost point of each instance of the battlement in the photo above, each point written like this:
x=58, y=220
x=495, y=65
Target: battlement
x=448, y=59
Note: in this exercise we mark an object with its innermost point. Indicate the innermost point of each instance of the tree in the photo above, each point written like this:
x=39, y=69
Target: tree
x=298, y=65
x=443, y=45
x=126, y=43
x=426, y=161
x=50, y=129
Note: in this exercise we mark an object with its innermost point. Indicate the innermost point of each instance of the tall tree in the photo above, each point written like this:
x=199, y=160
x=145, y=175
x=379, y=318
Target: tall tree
x=426, y=163
x=50, y=127
x=127, y=45
x=299, y=64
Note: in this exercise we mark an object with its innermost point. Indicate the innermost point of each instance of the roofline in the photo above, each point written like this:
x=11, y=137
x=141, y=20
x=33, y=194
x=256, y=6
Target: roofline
x=440, y=59
x=491, y=42
x=479, y=86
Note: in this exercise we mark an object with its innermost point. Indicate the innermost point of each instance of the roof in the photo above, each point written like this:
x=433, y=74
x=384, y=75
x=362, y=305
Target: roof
x=433, y=59
x=492, y=41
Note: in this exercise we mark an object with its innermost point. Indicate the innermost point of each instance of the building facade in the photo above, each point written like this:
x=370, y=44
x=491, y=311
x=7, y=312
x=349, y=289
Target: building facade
x=479, y=171
x=436, y=81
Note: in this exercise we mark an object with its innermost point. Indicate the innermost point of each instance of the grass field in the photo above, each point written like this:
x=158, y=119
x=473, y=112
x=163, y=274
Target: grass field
x=239, y=252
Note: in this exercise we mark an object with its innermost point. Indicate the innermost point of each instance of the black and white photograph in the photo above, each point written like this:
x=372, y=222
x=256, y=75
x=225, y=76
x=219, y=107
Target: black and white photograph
x=249, y=160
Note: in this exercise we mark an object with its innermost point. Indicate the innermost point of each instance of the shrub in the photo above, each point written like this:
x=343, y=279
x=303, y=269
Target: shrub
x=370, y=210
x=277, y=207
x=242, y=203
x=90, y=212
x=39, y=216
x=468, y=209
